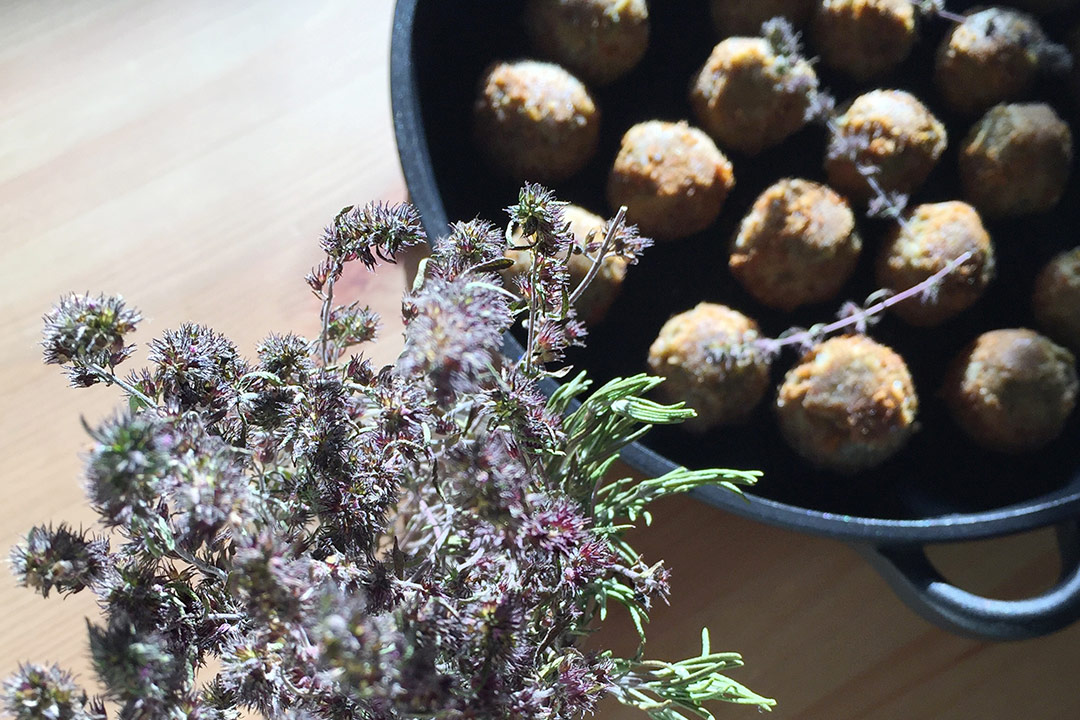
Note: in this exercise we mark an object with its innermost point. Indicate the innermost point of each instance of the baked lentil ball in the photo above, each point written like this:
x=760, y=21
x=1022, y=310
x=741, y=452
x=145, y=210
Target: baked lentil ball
x=594, y=302
x=797, y=245
x=863, y=38
x=892, y=133
x=932, y=236
x=1015, y=160
x=991, y=57
x=745, y=17
x=748, y=98
x=599, y=40
x=671, y=177
x=1056, y=300
x=1012, y=390
x=535, y=121
x=848, y=405
x=708, y=359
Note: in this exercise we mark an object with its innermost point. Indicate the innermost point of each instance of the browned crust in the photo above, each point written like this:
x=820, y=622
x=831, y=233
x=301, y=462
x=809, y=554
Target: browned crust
x=707, y=358
x=745, y=99
x=535, y=121
x=671, y=177
x=848, y=405
x=863, y=38
x=1016, y=160
x=1056, y=300
x=903, y=140
x=987, y=59
x=599, y=40
x=933, y=235
x=797, y=245
x=1012, y=390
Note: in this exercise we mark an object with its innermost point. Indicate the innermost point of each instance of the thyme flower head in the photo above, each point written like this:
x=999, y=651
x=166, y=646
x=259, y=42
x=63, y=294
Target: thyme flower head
x=253, y=668
x=40, y=692
x=783, y=39
x=127, y=468
x=195, y=366
x=274, y=580
x=208, y=492
x=513, y=401
x=539, y=217
x=63, y=558
x=469, y=245
x=352, y=325
x=288, y=357
x=455, y=333
x=626, y=242
x=82, y=330
x=367, y=653
x=553, y=336
x=137, y=666
x=374, y=232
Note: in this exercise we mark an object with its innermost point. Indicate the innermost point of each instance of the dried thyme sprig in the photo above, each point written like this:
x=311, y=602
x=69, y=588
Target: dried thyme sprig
x=860, y=317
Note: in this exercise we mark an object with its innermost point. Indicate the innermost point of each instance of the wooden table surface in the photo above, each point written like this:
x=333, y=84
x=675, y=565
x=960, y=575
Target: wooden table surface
x=187, y=154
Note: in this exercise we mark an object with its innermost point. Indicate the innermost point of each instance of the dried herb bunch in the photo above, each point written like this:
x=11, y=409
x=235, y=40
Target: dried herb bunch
x=434, y=539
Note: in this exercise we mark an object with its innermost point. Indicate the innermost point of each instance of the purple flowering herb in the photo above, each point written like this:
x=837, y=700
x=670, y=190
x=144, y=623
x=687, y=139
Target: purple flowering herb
x=475, y=246
x=428, y=539
x=42, y=692
x=196, y=368
x=63, y=558
x=86, y=335
x=375, y=232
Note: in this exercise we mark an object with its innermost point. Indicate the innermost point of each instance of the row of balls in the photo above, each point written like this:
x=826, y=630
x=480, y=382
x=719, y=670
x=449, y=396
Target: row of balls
x=991, y=55
x=850, y=403
x=749, y=93
x=534, y=120
x=799, y=244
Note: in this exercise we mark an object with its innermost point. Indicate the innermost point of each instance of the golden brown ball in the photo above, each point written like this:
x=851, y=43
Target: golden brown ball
x=991, y=57
x=797, y=245
x=1012, y=390
x=1015, y=160
x=932, y=236
x=748, y=98
x=849, y=404
x=671, y=177
x=535, y=121
x=1056, y=300
x=863, y=38
x=599, y=40
x=708, y=358
x=890, y=132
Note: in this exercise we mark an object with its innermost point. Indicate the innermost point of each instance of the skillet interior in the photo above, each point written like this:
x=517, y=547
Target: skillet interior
x=940, y=473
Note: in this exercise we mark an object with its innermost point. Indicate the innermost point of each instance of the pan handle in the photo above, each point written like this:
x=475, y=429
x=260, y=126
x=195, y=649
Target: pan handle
x=915, y=580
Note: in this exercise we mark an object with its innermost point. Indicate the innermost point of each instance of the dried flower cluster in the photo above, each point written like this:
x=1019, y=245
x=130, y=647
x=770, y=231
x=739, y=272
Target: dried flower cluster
x=433, y=539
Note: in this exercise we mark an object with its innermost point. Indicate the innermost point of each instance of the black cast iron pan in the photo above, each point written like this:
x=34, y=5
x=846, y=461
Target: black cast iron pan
x=940, y=488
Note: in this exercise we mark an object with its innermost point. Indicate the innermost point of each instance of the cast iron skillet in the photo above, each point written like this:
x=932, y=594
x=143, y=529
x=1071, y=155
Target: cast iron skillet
x=940, y=488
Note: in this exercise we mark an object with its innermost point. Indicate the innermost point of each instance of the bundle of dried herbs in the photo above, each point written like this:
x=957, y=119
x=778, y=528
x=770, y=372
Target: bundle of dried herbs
x=433, y=539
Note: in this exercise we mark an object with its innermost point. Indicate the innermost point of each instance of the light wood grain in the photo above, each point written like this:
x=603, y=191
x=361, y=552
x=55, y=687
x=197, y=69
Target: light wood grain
x=187, y=155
